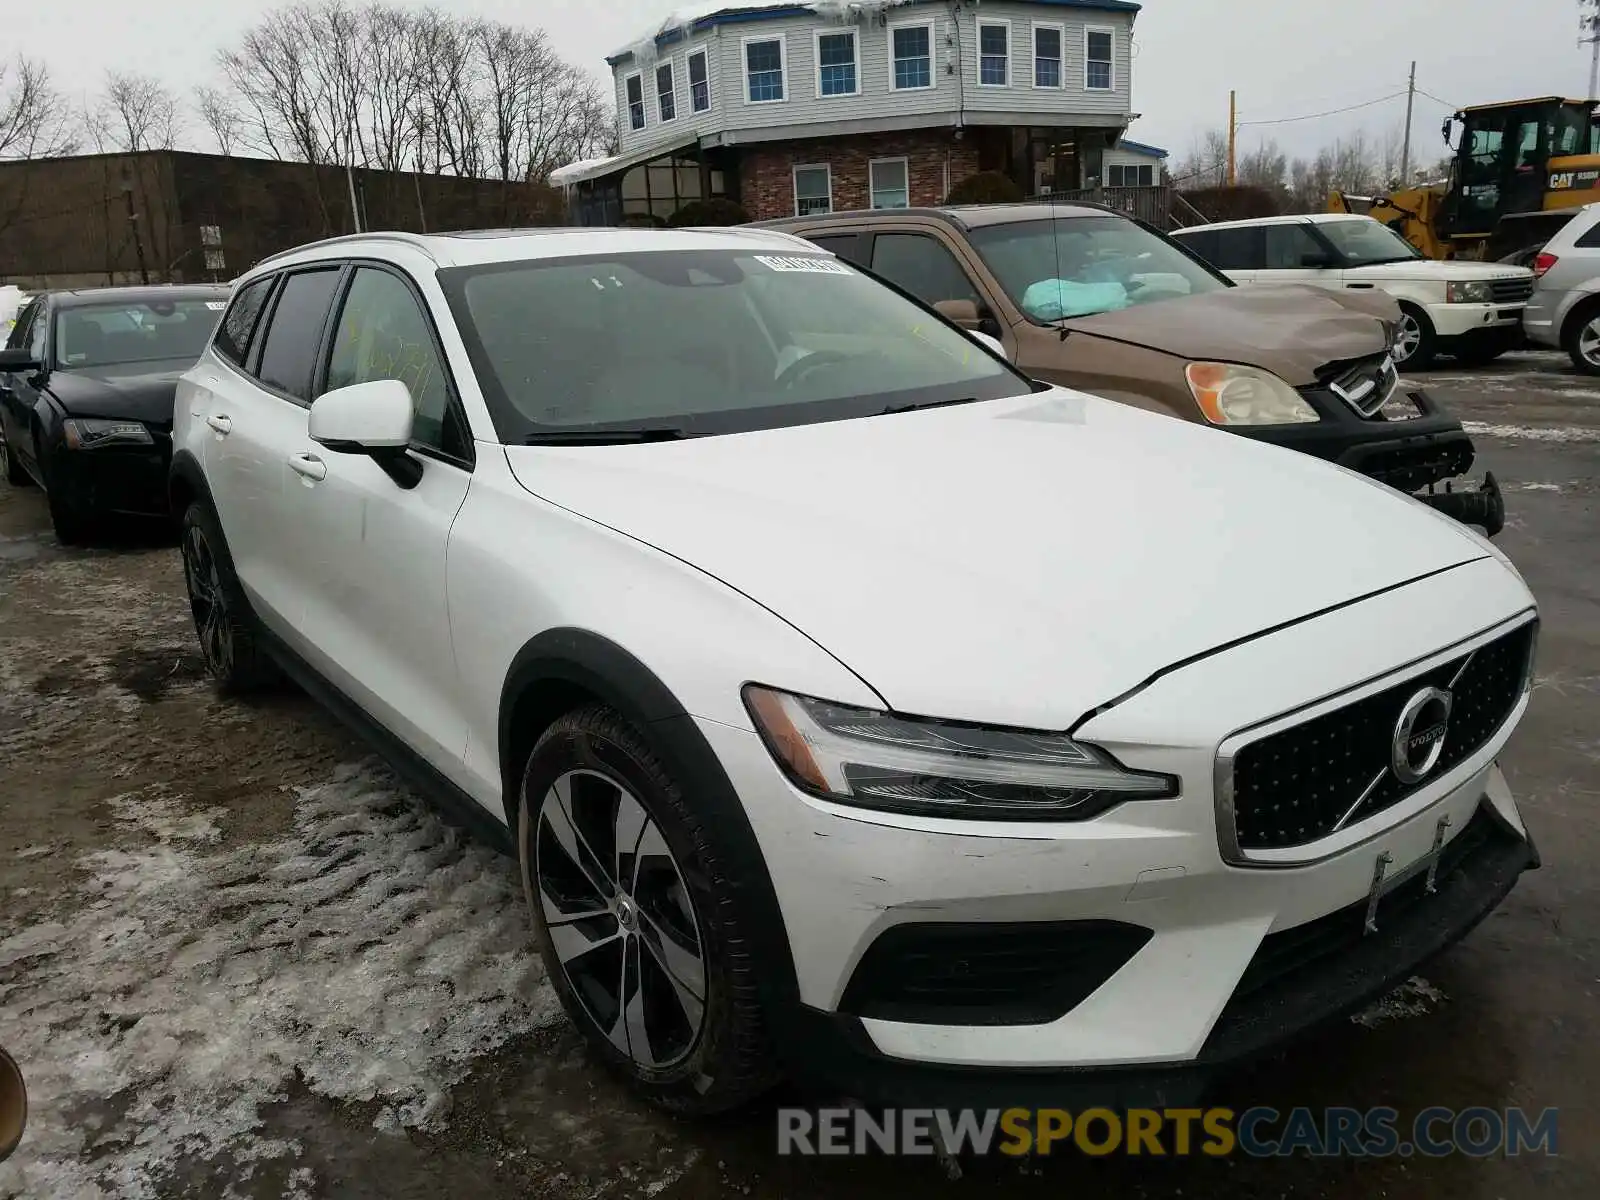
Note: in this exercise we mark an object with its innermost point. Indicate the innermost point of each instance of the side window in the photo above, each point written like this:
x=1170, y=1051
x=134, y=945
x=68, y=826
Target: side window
x=239, y=322
x=1288, y=245
x=290, y=350
x=922, y=266
x=1238, y=249
x=36, y=331
x=845, y=245
x=1204, y=244
x=1590, y=237
x=382, y=334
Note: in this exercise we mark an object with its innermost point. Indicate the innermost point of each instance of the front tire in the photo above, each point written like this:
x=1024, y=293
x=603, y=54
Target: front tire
x=222, y=617
x=639, y=930
x=1416, y=343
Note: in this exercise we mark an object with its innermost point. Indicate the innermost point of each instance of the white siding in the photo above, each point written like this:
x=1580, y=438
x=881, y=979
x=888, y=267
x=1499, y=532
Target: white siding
x=955, y=82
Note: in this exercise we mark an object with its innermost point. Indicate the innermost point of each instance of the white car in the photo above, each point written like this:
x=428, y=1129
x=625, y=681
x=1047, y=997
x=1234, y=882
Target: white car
x=1470, y=310
x=857, y=708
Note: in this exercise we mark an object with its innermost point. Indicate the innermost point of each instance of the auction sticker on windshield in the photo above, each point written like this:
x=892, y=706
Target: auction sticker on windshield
x=814, y=266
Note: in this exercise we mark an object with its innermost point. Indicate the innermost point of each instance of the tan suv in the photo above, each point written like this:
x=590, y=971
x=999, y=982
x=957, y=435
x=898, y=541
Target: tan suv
x=1090, y=298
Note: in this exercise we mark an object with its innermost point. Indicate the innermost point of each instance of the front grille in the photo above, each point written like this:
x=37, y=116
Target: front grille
x=1026, y=973
x=1510, y=291
x=1366, y=385
x=1306, y=782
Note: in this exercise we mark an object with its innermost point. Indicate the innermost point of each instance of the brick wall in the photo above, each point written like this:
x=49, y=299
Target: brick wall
x=766, y=173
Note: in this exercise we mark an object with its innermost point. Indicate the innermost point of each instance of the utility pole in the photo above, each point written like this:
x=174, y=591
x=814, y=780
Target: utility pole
x=1405, y=147
x=1589, y=26
x=1233, y=136
x=133, y=224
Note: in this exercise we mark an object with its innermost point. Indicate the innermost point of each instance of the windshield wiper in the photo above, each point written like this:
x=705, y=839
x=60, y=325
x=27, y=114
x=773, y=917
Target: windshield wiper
x=605, y=437
x=905, y=408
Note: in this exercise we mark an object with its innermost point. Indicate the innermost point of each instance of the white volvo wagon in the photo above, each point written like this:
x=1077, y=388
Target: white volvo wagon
x=857, y=708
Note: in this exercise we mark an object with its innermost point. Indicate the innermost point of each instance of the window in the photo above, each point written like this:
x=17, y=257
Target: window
x=845, y=245
x=1131, y=175
x=758, y=340
x=922, y=266
x=1107, y=262
x=994, y=53
x=1099, y=73
x=764, y=66
x=239, y=322
x=635, y=86
x=382, y=334
x=1202, y=244
x=837, y=70
x=138, y=331
x=666, y=102
x=890, y=181
x=19, y=331
x=1048, y=44
x=290, y=349
x=1288, y=245
x=699, y=82
x=911, y=54
x=813, y=190
x=1238, y=249
x=1363, y=242
x=1588, y=240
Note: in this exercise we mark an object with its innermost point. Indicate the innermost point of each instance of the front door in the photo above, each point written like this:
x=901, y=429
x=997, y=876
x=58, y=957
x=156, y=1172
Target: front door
x=1294, y=254
x=371, y=553
x=18, y=394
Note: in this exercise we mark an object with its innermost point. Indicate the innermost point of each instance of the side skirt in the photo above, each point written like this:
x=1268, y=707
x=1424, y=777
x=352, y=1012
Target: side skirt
x=455, y=805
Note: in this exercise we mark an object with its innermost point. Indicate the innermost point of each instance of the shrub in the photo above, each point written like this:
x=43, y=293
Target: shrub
x=1232, y=203
x=709, y=212
x=643, y=221
x=986, y=187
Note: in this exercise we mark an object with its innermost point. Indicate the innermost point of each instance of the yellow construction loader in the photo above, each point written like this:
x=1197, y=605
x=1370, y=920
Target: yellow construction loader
x=1519, y=172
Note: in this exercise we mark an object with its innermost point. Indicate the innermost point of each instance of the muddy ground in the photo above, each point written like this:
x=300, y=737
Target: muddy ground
x=237, y=960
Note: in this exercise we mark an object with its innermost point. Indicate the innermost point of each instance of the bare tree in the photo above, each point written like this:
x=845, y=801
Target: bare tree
x=134, y=113
x=1206, y=163
x=1265, y=167
x=34, y=122
x=218, y=114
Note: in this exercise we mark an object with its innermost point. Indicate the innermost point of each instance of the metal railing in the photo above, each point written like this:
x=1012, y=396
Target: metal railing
x=1150, y=204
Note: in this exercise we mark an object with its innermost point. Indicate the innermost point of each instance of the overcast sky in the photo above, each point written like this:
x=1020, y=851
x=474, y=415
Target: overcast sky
x=1286, y=59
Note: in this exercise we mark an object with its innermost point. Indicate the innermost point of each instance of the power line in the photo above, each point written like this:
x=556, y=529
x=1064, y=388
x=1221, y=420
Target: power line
x=1437, y=100
x=1329, y=113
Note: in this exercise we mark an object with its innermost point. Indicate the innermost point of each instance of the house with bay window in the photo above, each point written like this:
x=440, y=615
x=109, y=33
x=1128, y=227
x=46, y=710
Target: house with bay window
x=812, y=106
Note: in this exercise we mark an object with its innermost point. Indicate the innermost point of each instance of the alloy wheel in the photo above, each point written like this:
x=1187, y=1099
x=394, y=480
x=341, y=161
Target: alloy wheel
x=208, y=602
x=1407, y=338
x=620, y=919
x=1589, y=342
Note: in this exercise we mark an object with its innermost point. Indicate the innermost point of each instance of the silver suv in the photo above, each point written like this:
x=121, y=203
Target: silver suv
x=1565, y=309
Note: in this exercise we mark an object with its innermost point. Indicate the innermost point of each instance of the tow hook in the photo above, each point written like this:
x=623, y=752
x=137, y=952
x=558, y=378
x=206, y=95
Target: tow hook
x=1485, y=507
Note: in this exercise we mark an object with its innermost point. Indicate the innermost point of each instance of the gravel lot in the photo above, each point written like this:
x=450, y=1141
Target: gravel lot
x=237, y=960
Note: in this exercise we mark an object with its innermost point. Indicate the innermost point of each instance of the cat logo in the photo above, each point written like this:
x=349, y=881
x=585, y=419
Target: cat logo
x=1561, y=179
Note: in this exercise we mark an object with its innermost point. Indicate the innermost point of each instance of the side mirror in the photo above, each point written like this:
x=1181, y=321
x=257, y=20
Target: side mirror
x=372, y=419
x=13, y=1106
x=964, y=313
x=18, y=361
x=992, y=343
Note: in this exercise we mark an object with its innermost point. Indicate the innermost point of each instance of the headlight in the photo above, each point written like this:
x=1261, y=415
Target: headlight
x=1474, y=291
x=1234, y=395
x=85, y=433
x=941, y=769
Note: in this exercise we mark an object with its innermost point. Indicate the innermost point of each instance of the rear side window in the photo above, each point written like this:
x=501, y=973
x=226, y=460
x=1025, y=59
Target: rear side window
x=1238, y=249
x=289, y=353
x=239, y=322
x=845, y=245
x=1590, y=237
x=25, y=322
x=1203, y=243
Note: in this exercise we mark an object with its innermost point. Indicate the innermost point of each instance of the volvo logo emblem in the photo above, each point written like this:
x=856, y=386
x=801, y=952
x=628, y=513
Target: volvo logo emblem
x=1419, y=735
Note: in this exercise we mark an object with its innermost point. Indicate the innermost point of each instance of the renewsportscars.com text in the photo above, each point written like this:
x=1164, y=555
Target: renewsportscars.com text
x=1214, y=1132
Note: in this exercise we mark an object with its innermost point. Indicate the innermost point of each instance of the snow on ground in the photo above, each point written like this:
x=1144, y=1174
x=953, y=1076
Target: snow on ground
x=371, y=954
x=1533, y=433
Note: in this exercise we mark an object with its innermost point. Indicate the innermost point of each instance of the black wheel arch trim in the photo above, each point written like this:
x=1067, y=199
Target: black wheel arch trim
x=600, y=667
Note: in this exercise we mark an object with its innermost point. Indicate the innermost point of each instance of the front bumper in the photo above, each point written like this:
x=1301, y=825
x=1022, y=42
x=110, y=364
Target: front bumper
x=1452, y=321
x=1412, y=455
x=1173, y=1006
x=113, y=480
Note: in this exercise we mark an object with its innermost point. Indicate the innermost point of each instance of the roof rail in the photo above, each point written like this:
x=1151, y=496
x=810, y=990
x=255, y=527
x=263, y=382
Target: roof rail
x=415, y=240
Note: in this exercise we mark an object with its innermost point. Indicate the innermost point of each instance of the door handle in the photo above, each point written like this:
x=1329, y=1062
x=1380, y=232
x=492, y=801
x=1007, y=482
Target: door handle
x=309, y=467
x=222, y=425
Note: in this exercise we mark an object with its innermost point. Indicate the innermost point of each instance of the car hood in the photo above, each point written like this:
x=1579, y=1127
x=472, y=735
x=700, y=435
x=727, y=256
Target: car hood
x=1426, y=270
x=1292, y=330
x=1019, y=561
x=131, y=391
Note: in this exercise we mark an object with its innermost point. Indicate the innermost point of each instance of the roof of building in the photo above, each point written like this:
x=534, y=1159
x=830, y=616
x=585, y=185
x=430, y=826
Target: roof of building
x=1134, y=147
x=705, y=14
x=595, y=168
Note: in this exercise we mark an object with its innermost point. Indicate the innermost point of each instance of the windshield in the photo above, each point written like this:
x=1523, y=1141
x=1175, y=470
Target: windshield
x=104, y=335
x=1364, y=242
x=704, y=341
x=1078, y=266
